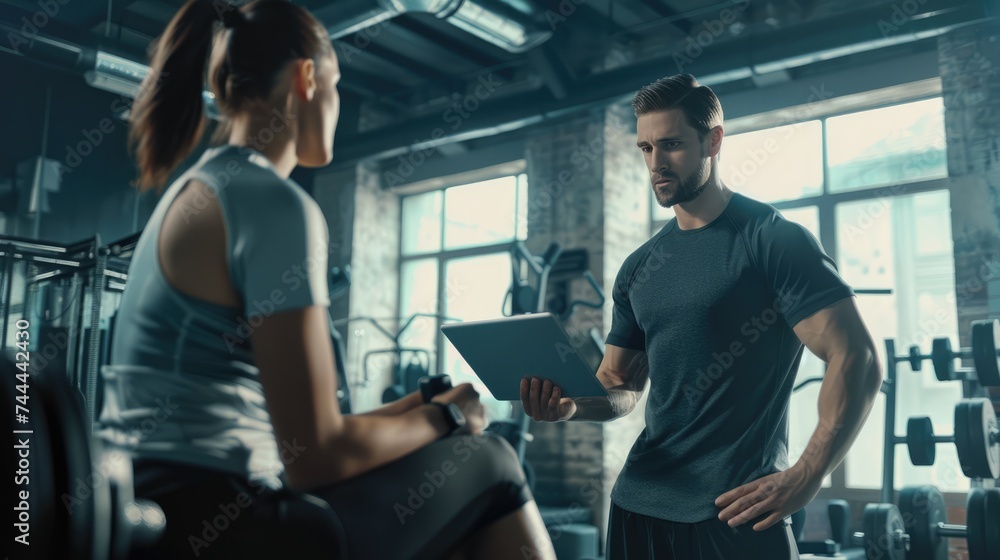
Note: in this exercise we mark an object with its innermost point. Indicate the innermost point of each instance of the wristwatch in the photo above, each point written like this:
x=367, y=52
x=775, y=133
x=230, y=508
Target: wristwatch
x=452, y=415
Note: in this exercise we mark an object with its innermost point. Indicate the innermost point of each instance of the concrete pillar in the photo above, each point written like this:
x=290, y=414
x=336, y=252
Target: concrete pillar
x=970, y=81
x=588, y=188
x=364, y=222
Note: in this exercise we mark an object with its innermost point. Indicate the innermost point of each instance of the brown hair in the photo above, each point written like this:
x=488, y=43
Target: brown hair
x=698, y=103
x=247, y=58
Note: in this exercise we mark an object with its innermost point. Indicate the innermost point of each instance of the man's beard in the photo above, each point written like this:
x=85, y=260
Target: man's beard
x=680, y=192
x=684, y=191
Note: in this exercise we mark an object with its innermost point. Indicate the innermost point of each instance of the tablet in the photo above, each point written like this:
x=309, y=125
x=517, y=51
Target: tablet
x=502, y=351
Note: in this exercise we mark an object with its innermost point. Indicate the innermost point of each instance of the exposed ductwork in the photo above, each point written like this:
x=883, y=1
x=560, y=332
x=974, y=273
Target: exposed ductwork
x=492, y=21
x=727, y=62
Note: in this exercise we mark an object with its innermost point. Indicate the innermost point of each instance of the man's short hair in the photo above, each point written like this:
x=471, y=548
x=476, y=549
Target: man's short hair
x=681, y=91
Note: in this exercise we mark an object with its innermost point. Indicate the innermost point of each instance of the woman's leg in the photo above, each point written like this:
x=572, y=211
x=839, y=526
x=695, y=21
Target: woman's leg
x=519, y=535
x=463, y=490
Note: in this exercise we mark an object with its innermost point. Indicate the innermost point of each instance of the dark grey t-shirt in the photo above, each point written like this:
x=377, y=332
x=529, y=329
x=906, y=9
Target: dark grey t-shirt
x=714, y=309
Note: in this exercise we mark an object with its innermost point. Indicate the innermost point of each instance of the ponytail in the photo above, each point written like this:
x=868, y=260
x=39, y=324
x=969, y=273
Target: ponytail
x=167, y=118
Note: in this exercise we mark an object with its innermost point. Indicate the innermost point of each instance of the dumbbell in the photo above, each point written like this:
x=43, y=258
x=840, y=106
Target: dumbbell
x=943, y=358
x=433, y=385
x=884, y=536
x=924, y=518
x=983, y=353
x=917, y=529
x=976, y=438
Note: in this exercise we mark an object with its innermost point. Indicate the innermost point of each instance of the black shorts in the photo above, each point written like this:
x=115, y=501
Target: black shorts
x=420, y=506
x=632, y=536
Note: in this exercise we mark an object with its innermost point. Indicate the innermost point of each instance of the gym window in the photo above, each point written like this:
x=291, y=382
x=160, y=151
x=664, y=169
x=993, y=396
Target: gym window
x=871, y=185
x=455, y=261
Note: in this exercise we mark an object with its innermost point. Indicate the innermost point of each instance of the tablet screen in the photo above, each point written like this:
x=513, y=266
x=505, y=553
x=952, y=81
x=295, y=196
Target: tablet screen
x=502, y=351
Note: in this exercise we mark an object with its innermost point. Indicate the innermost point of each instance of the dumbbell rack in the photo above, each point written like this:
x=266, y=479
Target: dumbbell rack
x=918, y=528
x=974, y=465
x=890, y=441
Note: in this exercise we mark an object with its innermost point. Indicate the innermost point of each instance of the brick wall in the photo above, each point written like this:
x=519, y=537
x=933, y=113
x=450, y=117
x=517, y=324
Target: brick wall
x=626, y=227
x=565, y=204
x=970, y=79
x=588, y=189
x=364, y=220
x=335, y=191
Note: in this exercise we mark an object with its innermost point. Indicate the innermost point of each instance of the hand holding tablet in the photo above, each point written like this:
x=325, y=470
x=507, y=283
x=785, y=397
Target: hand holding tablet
x=503, y=351
x=542, y=400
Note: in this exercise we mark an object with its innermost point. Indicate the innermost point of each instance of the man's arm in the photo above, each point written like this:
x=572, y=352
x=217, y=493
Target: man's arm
x=838, y=336
x=623, y=372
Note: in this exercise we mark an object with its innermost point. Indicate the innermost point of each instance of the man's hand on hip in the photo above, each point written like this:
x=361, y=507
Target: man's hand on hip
x=777, y=496
x=542, y=400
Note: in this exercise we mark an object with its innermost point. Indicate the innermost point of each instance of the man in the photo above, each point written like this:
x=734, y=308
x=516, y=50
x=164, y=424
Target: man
x=714, y=310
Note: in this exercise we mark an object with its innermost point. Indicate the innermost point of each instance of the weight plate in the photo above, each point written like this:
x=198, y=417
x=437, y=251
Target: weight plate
x=920, y=440
x=991, y=522
x=83, y=495
x=975, y=518
x=979, y=456
x=943, y=359
x=963, y=441
x=989, y=454
x=922, y=508
x=882, y=526
x=39, y=517
x=985, y=340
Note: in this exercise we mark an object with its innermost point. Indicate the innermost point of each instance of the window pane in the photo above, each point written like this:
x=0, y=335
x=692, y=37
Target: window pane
x=422, y=223
x=887, y=146
x=781, y=163
x=864, y=460
x=476, y=287
x=480, y=213
x=806, y=216
x=865, y=247
x=934, y=233
x=522, y=206
x=419, y=294
x=803, y=414
x=886, y=243
x=865, y=243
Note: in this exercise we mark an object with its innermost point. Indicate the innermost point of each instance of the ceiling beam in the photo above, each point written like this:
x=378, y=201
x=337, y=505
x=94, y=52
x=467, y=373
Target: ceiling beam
x=441, y=42
x=548, y=62
x=365, y=60
x=720, y=63
x=401, y=60
x=677, y=20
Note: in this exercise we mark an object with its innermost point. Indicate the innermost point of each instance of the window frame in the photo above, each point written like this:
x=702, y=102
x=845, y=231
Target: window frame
x=442, y=256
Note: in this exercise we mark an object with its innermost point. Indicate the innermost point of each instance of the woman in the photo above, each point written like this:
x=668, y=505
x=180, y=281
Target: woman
x=222, y=375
